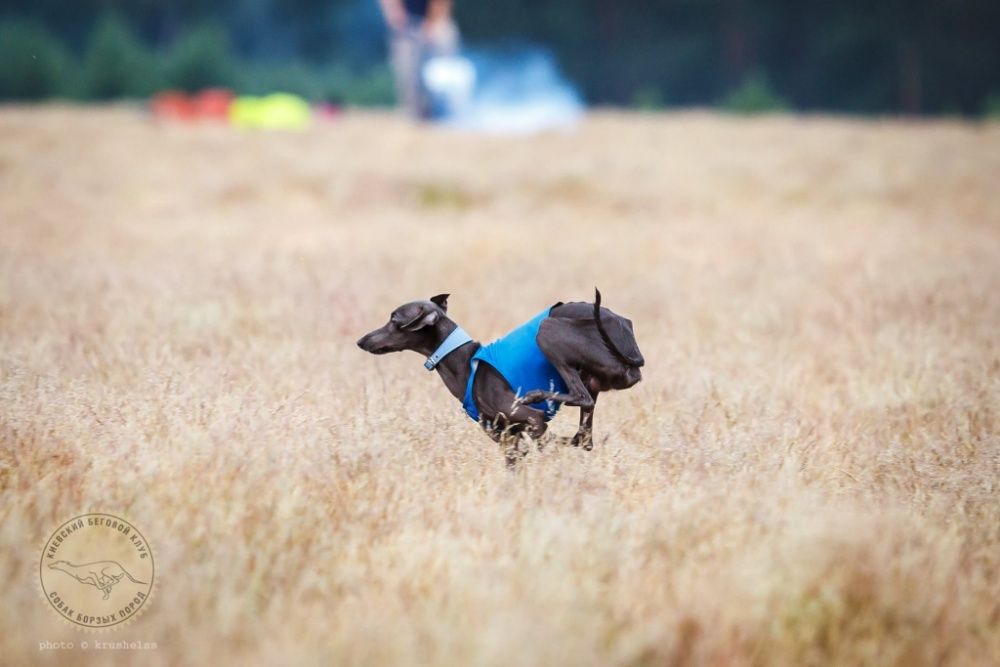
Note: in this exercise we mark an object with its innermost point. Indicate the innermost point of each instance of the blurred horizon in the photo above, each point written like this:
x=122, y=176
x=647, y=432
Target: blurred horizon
x=914, y=58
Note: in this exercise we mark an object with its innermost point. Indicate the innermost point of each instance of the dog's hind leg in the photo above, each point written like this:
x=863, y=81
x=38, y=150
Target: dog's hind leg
x=585, y=435
x=578, y=394
x=558, y=339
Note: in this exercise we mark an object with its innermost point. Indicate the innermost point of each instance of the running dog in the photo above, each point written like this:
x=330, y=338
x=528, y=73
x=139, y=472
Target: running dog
x=565, y=355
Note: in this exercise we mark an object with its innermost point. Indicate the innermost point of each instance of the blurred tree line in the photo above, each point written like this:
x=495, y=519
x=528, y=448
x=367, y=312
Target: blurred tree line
x=914, y=57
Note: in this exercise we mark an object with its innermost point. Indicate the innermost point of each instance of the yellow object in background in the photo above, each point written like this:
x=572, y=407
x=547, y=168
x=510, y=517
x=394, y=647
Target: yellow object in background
x=281, y=111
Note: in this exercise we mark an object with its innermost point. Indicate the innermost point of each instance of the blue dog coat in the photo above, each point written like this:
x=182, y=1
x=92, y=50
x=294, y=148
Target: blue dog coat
x=518, y=359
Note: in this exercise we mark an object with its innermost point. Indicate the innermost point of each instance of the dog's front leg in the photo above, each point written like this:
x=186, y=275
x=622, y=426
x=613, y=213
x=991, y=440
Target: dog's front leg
x=506, y=434
x=512, y=451
x=492, y=429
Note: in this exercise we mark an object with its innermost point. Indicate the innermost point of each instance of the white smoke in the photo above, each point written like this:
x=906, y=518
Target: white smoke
x=511, y=92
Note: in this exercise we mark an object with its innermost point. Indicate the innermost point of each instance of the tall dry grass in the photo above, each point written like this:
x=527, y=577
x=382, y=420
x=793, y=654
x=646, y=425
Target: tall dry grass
x=808, y=475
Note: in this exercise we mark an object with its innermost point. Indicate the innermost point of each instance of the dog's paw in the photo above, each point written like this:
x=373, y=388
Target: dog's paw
x=584, y=440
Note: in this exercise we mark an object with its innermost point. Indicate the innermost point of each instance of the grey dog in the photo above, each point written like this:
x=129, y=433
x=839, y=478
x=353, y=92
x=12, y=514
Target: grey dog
x=591, y=348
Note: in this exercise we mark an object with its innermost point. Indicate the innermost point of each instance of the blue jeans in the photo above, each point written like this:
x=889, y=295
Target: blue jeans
x=409, y=49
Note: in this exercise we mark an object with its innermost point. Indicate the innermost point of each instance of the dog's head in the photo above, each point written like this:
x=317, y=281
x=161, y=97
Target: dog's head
x=412, y=326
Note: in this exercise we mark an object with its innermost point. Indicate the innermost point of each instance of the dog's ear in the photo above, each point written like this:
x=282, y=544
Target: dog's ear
x=441, y=300
x=424, y=318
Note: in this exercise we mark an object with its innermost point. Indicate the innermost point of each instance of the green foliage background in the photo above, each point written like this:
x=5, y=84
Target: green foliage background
x=914, y=57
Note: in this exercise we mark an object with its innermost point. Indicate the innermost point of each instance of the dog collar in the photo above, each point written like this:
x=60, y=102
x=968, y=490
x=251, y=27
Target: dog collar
x=455, y=340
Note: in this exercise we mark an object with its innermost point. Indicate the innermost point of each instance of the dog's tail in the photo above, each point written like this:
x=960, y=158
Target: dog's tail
x=624, y=358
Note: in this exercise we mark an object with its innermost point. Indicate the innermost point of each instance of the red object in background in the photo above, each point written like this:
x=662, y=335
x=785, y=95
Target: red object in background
x=172, y=104
x=211, y=103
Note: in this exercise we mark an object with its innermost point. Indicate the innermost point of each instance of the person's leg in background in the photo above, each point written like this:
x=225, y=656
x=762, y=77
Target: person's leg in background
x=420, y=29
x=438, y=38
x=406, y=49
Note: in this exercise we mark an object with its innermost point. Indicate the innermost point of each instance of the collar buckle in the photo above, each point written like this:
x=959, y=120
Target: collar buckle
x=455, y=340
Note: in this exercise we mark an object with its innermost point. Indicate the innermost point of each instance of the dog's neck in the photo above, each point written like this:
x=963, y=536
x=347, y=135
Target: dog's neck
x=454, y=367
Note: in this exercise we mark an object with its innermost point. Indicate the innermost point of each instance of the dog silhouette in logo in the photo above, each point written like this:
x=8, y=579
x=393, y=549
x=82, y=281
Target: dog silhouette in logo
x=103, y=574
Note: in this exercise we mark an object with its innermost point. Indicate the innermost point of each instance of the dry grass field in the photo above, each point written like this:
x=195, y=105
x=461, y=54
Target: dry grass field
x=809, y=473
